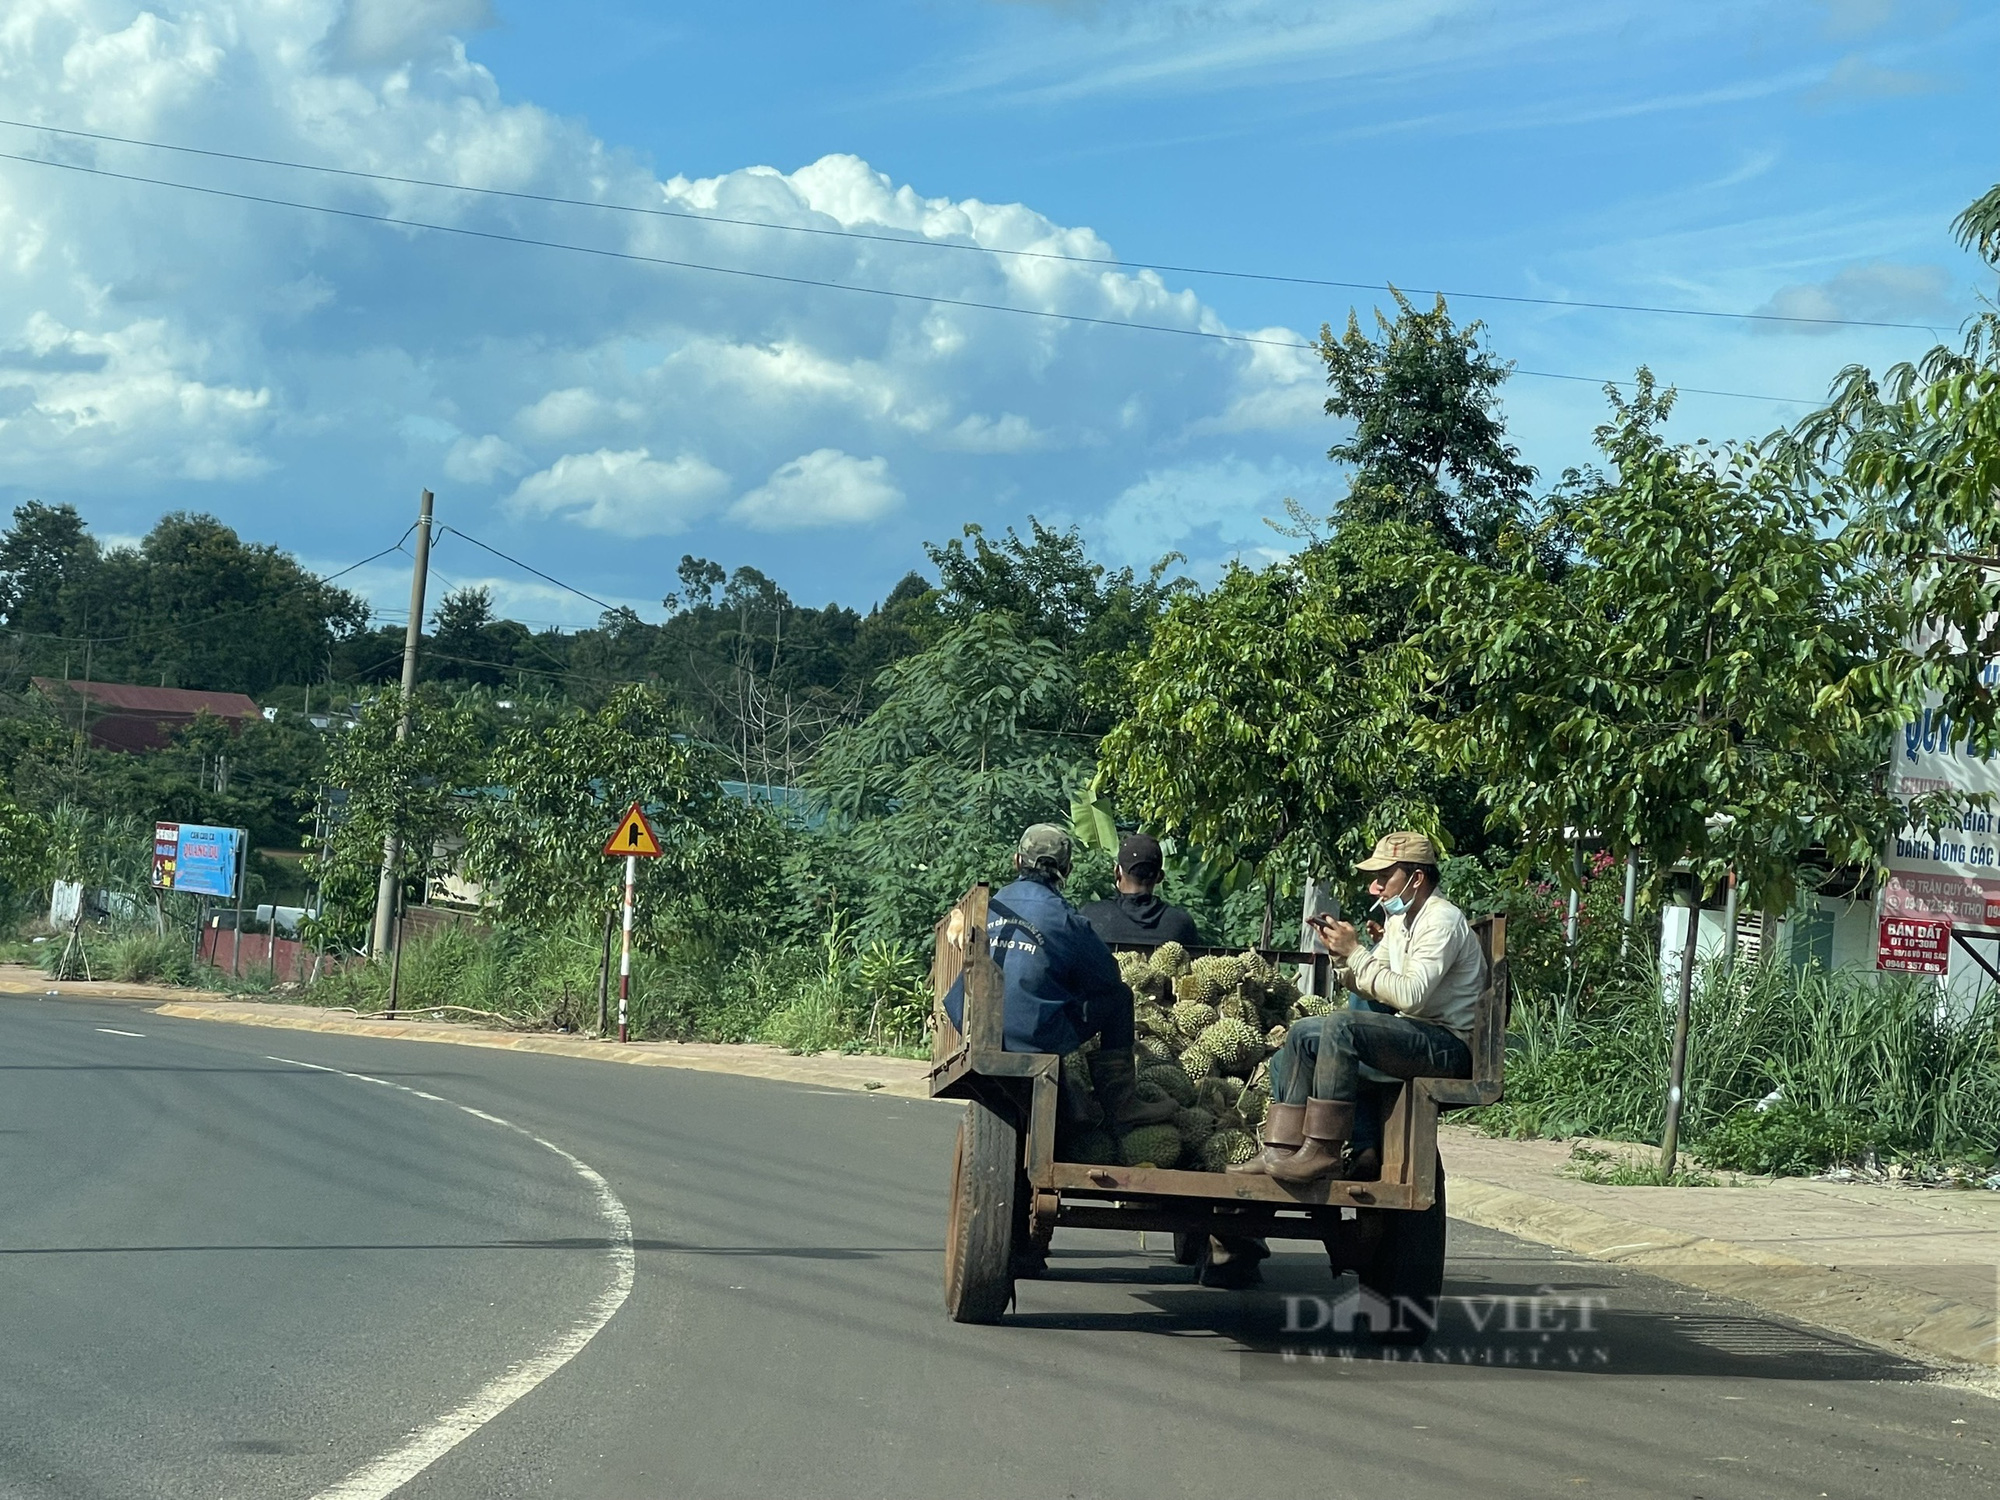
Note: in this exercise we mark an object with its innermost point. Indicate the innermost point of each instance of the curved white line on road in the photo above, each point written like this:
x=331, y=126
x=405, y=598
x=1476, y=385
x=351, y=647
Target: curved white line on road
x=381, y=1477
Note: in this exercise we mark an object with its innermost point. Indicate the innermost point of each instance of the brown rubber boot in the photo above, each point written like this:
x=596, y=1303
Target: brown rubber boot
x=1284, y=1133
x=1115, y=1078
x=1329, y=1124
x=1364, y=1166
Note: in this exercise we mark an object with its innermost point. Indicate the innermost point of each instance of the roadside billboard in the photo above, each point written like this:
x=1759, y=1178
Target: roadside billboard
x=197, y=858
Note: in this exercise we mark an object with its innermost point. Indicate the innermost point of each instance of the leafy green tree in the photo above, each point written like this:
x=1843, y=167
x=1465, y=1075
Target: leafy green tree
x=45, y=557
x=1703, y=686
x=1921, y=449
x=1429, y=447
x=1273, y=723
x=536, y=835
x=1098, y=617
x=930, y=792
x=411, y=787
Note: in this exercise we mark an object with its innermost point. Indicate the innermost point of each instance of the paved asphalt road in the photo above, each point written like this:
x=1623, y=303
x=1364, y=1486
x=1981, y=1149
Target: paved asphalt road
x=227, y=1276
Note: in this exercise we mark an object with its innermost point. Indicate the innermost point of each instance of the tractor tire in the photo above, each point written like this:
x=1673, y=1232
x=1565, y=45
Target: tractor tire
x=979, y=1235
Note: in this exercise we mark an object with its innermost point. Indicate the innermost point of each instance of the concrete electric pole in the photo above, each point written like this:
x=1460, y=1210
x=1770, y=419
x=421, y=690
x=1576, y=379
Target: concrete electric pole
x=392, y=845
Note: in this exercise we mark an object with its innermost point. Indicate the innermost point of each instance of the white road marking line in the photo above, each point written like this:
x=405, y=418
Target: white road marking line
x=381, y=1477
x=114, y=1031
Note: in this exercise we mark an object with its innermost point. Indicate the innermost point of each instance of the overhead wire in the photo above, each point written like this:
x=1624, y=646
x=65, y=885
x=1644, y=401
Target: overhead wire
x=818, y=283
x=1114, y=262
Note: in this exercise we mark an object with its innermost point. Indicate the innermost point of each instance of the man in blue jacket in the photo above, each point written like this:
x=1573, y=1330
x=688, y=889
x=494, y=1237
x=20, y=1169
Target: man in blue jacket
x=1060, y=984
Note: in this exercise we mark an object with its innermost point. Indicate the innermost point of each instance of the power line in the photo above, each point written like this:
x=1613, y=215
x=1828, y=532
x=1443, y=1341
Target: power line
x=931, y=244
x=545, y=577
x=633, y=257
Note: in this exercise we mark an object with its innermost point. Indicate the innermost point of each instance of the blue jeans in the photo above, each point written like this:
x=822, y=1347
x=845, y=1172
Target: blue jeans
x=1322, y=1059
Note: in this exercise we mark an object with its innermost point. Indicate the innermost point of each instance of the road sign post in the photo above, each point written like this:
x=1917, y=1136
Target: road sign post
x=635, y=840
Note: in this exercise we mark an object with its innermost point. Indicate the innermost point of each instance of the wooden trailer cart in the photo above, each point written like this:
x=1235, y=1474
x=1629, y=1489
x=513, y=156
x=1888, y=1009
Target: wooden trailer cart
x=1009, y=1191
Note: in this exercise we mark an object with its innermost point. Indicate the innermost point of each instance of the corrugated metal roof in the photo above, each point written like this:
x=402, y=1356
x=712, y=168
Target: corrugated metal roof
x=129, y=698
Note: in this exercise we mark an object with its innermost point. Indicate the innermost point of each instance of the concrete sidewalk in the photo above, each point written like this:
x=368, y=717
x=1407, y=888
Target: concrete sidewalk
x=1913, y=1269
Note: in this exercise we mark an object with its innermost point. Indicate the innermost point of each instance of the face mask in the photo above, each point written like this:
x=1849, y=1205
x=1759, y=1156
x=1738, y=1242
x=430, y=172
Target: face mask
x=1396, y=905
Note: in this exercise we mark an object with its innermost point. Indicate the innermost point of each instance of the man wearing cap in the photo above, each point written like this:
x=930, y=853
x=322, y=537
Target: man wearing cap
x=1060, y=984
x=1135, y=917
x=1424, y=978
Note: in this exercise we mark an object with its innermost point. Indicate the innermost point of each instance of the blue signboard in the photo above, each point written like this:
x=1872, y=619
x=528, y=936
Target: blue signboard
x=196, y=858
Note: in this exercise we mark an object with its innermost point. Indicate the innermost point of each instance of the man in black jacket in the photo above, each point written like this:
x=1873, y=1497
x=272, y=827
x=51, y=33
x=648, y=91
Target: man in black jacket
x=1135, y=917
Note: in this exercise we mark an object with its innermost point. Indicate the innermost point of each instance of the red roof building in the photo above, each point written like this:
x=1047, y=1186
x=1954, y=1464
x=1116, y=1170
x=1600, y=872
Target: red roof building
x=121, y=716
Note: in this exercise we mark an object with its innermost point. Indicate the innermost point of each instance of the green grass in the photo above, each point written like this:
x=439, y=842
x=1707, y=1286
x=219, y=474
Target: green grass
x=1853, y=1064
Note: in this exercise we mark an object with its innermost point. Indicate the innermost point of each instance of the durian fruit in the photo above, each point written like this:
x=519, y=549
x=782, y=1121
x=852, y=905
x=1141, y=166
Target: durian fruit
x=1234, y=1044
x=1233, y=970
x=1313, y=1005
x=1093, y=1148
x=1226, y=1148
x=1170, y=959
x=1171, y=1080
x=1197, y=1062
x=1154, y=986
x=1236, y=1008
x=1150, y=1145
x=1284, y=989
x=1076, y=1072
x=1152, y=1020
x=1195, y=1127
x=1218, y=1095
x=1253, y=1103
x=1197, y=987
x=1153, y=1051
x=1192, y=1018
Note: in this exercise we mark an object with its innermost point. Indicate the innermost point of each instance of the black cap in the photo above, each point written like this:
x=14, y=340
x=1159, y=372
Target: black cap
x=1139, y=854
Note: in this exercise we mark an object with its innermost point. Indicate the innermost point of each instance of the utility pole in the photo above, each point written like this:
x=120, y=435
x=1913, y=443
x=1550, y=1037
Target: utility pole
x=392, y=844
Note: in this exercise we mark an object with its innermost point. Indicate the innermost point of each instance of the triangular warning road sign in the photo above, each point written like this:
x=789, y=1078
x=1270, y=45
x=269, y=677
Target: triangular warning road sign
x=635, y=836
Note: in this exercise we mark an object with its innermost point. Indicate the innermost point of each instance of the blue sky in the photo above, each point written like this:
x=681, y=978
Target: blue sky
x=301, y=376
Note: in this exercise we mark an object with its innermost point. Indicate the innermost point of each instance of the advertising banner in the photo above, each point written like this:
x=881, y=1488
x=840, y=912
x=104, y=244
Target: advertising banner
x=1953, y=875
x=196, y=858
x=1914, y=947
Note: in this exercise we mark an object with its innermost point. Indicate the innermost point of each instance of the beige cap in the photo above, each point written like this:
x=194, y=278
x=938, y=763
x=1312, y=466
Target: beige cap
x=1400, y=849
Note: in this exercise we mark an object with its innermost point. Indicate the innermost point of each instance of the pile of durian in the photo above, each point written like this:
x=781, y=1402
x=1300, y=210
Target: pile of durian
x=1206, y=1030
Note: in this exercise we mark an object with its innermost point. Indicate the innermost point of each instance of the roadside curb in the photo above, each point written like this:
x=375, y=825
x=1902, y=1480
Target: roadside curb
x=897, y=1076
x=1857, y=1303
x=1848, y=1301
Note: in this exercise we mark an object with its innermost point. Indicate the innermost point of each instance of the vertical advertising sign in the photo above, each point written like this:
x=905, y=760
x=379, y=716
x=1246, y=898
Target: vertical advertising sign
x=1950, y=875
x=196, y=858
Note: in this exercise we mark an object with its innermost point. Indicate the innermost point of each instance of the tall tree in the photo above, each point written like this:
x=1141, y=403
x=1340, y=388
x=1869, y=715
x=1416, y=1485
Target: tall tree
x=929, y=793
x=45, y=557
x=1429, y=447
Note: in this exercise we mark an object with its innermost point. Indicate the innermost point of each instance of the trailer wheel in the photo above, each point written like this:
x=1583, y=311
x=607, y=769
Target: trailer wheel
x=1405, y=1266
x=979, y=1237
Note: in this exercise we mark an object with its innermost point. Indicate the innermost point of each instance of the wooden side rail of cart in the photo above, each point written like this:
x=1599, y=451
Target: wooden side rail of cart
x=1009, y=1188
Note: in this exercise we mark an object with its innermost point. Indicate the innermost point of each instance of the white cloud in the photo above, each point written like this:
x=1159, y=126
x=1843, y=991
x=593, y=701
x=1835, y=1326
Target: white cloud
x=823, y=488
x=373, y=33
x=159, y=349
x=482, y=460
x=1212, y=512
x=628, y=494
x=1876, y=290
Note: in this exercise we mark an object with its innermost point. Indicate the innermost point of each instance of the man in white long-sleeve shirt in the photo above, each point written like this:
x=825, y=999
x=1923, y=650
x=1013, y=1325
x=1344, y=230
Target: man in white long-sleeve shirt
x=1424, y=978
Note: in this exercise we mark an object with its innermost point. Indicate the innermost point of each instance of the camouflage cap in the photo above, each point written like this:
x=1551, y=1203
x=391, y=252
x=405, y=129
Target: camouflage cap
x=1400, y=849
x=1044, y=847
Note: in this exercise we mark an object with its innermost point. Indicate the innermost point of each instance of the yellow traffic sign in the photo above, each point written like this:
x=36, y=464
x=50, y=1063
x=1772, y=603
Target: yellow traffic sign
x=635, y=836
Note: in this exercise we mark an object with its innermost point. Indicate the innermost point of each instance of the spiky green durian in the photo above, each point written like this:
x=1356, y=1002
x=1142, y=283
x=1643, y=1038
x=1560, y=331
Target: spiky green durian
x=1093, y=1148
x=1170, y=959
x=1192, y=1018
x=1197, y=1062
x=1226, y=1148
x=1171, y=1079
x=1150, y=1051
x=1150, y=1146
x=1195, y=1126
x=1234, y=1044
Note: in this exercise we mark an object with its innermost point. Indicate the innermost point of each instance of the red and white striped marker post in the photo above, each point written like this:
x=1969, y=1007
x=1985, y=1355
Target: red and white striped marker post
x=634, y=840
